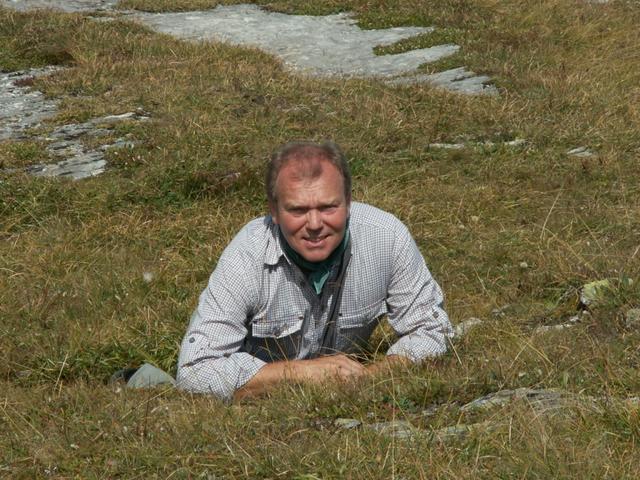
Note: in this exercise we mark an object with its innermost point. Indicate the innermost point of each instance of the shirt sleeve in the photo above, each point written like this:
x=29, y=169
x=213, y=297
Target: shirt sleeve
x=210, y=360
x=415, y=304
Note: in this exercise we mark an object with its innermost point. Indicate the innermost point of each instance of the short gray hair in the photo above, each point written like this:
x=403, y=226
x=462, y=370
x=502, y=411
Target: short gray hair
x=306, y=151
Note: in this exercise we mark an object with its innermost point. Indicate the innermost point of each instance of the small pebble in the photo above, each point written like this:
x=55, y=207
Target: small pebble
x=633, y=318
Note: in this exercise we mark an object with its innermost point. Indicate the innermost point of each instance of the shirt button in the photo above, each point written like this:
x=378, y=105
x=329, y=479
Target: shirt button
x=191, y=340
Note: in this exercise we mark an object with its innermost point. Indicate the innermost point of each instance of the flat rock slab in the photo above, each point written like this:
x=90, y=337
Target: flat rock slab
x=458, y=80
x=542, y=401
x=395, y=428
x=504, y=397
x=581, y=152
x=22, y=107
x=79, y=161
x=331, y=45
x=321, y=45
x=404, y=430
x=484, y=145
x=64, y=5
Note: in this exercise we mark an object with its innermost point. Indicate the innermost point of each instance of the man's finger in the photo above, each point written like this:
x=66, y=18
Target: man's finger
x=346, y=367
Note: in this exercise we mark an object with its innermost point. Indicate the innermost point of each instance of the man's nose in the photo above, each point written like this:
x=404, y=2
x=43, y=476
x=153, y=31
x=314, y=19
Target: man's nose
x=314, y=221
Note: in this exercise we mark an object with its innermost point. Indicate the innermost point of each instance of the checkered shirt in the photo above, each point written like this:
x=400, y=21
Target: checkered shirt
x=258, y=306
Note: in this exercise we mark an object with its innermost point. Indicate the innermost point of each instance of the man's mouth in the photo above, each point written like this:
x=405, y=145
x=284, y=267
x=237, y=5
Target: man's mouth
x=315, y=240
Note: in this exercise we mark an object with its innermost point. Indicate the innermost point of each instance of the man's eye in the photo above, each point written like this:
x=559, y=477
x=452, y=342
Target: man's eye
x=328, y=209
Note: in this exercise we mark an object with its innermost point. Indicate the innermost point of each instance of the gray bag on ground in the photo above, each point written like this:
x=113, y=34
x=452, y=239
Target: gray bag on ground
x=149, y=376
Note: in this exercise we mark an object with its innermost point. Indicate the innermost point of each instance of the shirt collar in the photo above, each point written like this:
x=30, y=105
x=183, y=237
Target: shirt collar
x=274, y=251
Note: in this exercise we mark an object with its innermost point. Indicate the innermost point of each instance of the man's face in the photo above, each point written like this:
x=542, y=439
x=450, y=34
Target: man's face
x=312, y=212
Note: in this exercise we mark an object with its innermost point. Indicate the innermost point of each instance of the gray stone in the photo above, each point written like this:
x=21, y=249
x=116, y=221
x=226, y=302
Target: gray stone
x=571, y=322
x=518, y=142
x=500, y=312
x=462, y=81
x=458, y=80
x=331, y=45
x=553, y=328
x=448, y=146
x=22, y=107
x=347, y=423
x=461, y=329
x=581, y=152
x=82, y=165
x=504, y=397
x=594, y=293
x=320, y=45
x=433, y=410
x=459, y=432
x=64, y=5
x=404, y=430
x=397, y=428
x=543, y=401
x=80, y=162
x=632, y=318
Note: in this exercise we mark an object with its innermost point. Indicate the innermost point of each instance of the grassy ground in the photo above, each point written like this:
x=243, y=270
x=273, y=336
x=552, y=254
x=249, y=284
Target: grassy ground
x=515, y=229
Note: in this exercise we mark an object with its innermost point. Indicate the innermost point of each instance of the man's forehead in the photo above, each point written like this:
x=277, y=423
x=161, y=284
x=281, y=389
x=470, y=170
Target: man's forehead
x=308, y=170
x=307, y=166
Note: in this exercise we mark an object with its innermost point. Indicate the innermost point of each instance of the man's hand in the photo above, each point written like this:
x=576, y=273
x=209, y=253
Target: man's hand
x=324, y=368
x=386, y=364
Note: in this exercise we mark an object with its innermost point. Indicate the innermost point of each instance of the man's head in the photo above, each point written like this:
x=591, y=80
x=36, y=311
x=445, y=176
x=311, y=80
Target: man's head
x=309, y=192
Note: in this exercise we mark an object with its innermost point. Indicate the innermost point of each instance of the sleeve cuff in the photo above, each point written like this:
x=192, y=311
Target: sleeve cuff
x=219, y=377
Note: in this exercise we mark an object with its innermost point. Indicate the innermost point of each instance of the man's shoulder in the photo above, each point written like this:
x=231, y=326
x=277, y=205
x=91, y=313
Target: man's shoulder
x=258, y=229
x=254, y=238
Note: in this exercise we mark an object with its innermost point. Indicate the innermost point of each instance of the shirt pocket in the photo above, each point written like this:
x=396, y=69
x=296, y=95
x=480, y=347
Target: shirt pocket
x=273, y=339
x=355, y=327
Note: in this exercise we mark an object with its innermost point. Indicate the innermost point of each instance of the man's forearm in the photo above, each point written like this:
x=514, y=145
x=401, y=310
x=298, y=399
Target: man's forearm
x=315, y=370
x=268, y=376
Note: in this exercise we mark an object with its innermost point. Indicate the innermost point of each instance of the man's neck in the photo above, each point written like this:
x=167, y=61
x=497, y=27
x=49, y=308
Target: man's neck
x=316, y=272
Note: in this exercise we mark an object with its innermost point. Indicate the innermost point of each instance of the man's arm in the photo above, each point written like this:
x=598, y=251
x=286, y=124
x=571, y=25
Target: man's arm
x=415, y=304
x=387, y=363
x=316, y=370
x=211, y=359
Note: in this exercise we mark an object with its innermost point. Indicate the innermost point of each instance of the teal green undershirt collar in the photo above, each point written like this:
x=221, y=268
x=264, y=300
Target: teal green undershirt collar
x=317, y=272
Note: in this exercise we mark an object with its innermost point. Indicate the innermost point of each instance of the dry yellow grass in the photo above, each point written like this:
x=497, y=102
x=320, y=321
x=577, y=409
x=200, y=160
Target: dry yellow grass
x=74, y=306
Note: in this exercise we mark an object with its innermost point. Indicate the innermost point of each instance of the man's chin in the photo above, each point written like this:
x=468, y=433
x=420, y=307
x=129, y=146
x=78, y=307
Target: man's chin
x=314, y=256
x=317, y=254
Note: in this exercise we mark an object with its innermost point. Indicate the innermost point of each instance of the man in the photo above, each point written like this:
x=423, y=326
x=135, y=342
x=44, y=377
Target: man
x=297, y=290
